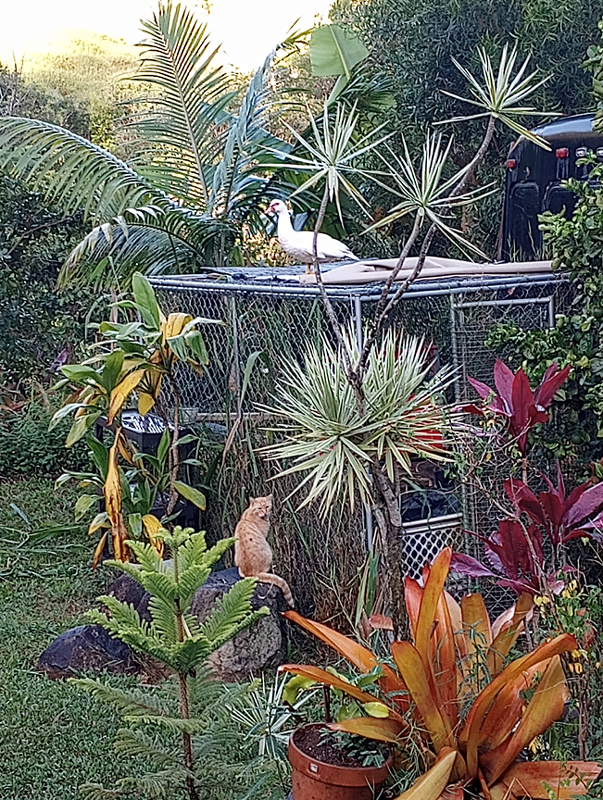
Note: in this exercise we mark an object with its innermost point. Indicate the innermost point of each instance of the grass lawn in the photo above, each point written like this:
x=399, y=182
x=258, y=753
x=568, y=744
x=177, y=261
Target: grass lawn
x=53, y=735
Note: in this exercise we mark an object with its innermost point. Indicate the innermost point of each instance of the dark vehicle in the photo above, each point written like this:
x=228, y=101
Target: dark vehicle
x=533, y=181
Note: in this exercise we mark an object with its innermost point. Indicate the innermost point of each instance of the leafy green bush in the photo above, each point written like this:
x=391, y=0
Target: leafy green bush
x=27, y=447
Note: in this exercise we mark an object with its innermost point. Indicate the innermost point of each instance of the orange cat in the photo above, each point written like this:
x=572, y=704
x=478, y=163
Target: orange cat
x=253, y=555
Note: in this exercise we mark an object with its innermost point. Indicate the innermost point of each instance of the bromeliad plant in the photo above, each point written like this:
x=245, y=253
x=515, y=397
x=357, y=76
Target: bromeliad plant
x=135, y=357
x=178, y=641
x=470, y=710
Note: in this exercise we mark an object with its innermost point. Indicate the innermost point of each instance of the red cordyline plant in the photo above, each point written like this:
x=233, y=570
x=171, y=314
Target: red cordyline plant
x=515, y=552
x=515, y=400
x=561, y=517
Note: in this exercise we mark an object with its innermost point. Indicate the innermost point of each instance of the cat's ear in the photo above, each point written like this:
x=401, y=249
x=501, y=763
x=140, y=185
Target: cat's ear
x=270, y=498
x=252, y=500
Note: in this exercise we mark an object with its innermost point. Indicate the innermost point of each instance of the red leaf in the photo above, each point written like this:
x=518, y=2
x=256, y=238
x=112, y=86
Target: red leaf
x=522, y=404
x=524, y=498
x=481, y=388
x=586, y=505
x=550, y=384
x=503, y=380
x=467, y=565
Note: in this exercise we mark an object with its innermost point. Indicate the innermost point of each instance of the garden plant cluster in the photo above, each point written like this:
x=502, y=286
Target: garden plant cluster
x=421, y=693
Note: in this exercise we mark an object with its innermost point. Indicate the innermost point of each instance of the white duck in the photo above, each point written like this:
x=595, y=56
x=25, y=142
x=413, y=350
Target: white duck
x=299, y=244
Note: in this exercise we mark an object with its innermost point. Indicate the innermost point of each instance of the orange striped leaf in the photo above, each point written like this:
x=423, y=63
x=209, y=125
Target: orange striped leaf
x=411, y=667
x=383, y=730
x=537, y=779
x=545, y=707
x=475, y=719
x=431, y=785
x=356, y=654
x=508, y=634
x=429, y=604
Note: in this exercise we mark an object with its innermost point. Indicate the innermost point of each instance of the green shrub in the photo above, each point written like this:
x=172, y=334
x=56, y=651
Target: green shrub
x=27, y=447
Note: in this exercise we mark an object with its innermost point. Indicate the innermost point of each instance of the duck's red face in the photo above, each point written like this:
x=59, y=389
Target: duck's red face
x=275, y=207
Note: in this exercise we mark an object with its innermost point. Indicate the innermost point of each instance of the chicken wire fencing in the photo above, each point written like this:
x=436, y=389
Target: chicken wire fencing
x=265, y=324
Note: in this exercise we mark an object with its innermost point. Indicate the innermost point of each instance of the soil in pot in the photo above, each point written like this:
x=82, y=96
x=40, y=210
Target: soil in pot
x=331, y=749
x=326, y=769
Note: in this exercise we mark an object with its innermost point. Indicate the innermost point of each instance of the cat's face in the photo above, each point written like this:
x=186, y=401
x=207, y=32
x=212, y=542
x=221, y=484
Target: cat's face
x=262, y=506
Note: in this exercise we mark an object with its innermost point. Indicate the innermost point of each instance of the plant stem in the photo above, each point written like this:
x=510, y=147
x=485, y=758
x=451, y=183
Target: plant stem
x=174, y=454
x=187, y=744
x=335, y=325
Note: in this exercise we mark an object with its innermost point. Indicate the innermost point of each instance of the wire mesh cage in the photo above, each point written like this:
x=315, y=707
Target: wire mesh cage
x=266, y=321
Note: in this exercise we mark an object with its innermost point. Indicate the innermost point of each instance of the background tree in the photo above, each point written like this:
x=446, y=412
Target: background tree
x=414, y=43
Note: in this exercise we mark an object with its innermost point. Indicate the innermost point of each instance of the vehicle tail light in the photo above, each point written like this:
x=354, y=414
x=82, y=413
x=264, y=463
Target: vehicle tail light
x=562, y=152
x=511, y=163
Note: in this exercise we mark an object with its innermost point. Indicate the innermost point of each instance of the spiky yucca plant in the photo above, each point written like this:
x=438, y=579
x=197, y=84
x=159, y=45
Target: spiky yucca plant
x=175, y=638
x=333, y=442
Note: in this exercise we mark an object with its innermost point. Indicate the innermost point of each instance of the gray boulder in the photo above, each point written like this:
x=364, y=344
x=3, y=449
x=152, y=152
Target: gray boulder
x=87, y=648
x=257, y=648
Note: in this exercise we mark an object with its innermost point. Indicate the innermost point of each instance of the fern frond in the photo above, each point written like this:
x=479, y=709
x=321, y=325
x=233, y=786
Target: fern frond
x=232, y=613
x=128, y=703
x=125, y=624
x=189, y=581
x=164, y=619
x=216, y=552
x=96, y=791
x=160, y=584
x=71, y=170
x=148, y=558
x=135, y=743
x=192, y=551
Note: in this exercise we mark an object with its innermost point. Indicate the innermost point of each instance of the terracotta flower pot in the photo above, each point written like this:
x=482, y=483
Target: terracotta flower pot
x=317, y=780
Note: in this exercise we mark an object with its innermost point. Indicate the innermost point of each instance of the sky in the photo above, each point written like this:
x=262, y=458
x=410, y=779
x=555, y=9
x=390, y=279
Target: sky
x=248, y=29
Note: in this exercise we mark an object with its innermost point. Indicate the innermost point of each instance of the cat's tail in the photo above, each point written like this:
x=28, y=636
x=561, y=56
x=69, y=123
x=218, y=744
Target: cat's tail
x=270, y=577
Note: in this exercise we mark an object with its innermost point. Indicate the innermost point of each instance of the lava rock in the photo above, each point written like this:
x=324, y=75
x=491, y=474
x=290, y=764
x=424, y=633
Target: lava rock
x=127, y=590
x=259, y=647
x=87, y=648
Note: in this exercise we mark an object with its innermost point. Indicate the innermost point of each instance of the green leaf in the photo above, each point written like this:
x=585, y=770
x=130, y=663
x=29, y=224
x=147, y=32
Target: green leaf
x=196, y=343
x=100, y=453
x=80, y=373
x=135, y=524
x=112, y=368
x=249, y=365
x=84, y=504
x=146, y=301
x=196, y=497
x=334, y=51
x=80, y=428
x=378, y=710
x=163, y=447
x=293, y=687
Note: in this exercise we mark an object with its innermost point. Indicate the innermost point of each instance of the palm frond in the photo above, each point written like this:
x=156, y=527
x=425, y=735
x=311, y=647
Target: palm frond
x=71, y=170
x=178, y=58
x=112, y=252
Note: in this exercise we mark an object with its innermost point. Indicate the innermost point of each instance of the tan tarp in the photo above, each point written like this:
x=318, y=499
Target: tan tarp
x=358, y=272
